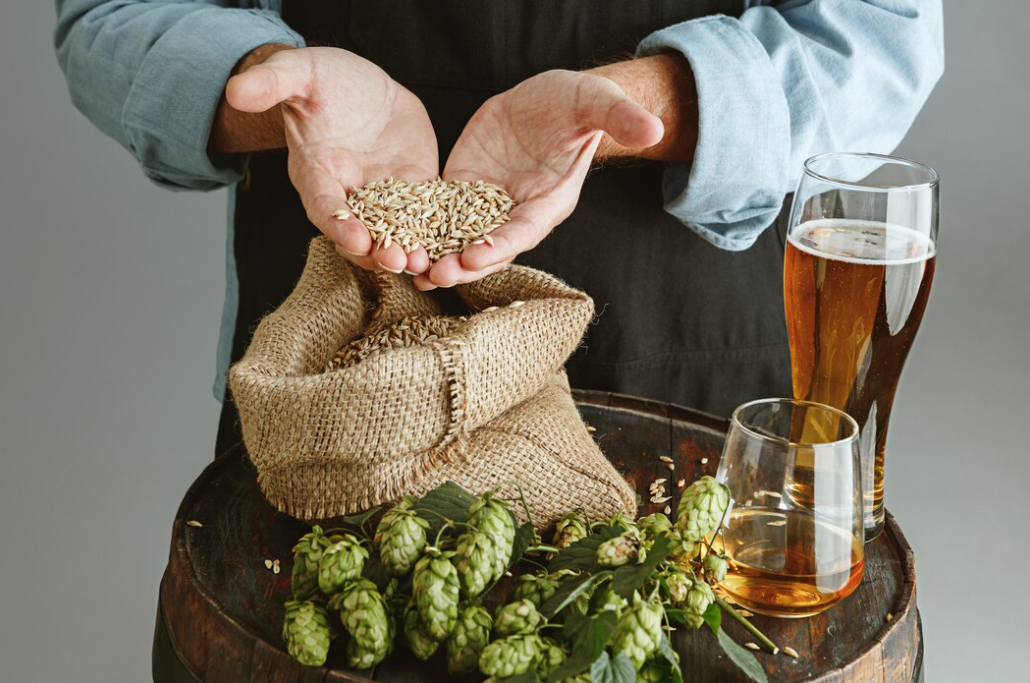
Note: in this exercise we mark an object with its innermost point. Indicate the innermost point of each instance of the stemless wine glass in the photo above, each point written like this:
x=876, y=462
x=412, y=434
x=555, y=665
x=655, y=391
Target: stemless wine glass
x=860, y=258
x=793, y=533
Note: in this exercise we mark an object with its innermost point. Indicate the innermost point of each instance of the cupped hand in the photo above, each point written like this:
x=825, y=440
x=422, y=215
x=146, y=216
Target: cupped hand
x=537, y=140
x=347, y=124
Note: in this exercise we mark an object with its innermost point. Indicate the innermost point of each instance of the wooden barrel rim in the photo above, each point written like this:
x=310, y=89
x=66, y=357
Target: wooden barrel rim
x=181, y=581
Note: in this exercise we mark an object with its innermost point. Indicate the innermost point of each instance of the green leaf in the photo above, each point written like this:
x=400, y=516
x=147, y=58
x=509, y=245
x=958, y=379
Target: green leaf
x=528, y=677
x=583, y=553
x=569, y=591
x=668, y=655
x=587, y=638
x=448, y=500
x=713, y=617
x=525, y=536
x=618, y=669
x=744, y=660
x=631, y=577
x=359, y=520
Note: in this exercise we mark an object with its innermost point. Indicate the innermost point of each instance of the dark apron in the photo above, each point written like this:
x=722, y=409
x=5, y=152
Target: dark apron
x=679, y=320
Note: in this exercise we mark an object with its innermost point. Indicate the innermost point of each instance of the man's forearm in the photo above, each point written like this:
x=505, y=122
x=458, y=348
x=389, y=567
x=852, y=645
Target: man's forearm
x=236, y=131
x=664, y=85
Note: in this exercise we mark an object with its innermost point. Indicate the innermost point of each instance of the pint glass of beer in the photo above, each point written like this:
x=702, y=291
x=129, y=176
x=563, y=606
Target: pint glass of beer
x=860, y=257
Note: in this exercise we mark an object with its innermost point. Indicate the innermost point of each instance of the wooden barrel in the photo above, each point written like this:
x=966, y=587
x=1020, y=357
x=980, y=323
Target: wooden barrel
x=220, y=607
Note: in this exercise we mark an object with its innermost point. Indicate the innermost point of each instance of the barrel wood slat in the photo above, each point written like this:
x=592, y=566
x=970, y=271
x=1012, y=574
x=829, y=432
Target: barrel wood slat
x=220, y=609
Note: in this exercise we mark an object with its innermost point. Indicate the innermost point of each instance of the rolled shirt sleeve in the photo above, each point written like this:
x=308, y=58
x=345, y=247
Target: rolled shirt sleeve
x=151, y=76
x=788, y=81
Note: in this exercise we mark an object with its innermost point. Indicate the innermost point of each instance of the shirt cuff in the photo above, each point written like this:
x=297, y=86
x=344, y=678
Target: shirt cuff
x=731, y=192
x=171, y=105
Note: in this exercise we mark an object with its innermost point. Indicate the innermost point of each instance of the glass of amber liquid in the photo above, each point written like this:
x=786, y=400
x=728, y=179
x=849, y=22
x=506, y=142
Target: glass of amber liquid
x=860, y=258
x=793, y=534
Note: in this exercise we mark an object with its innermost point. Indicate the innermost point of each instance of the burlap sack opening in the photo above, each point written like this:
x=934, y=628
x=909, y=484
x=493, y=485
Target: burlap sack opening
x=485, y=405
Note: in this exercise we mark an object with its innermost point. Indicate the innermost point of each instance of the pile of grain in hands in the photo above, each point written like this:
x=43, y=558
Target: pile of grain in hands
x=443, y=216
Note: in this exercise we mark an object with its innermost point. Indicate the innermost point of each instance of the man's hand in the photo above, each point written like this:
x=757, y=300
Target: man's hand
x=346, y=124
x=537, y=140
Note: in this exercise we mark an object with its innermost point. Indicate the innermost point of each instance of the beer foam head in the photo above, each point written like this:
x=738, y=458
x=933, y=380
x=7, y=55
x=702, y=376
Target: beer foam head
x=863, y=242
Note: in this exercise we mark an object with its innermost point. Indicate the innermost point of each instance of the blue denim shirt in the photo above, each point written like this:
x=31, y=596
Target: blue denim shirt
x=787, y=80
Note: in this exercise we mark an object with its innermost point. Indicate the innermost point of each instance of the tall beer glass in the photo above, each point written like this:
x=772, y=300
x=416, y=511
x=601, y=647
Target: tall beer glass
x=861, y=250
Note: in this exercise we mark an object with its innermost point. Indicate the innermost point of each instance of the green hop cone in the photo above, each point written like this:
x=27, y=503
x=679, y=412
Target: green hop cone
x=551, y=657
x=570, y=528
x=652, y=672
x=401, y=537
x=341, y=562
x=701, y=508
x=306, y=631
x=491, y=516
x=421, y=644
x=652, y=526
x=537, y=588
x=306, y=555
x=517, y=618
x=680, y=549
x=639, y=631
x=436, y=588
x=715, y=567
x=620, y=550
x=470, y=636
x=607, y=599
x=699, y=597
x=511, y=656
x=475, y=558
x=679, y=585
x=364, y=614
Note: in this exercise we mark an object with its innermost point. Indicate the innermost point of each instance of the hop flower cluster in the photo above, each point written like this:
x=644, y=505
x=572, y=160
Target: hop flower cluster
x=425, y=578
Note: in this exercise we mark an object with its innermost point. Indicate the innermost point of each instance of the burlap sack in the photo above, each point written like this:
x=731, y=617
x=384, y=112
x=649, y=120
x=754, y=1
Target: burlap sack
x=486, y=405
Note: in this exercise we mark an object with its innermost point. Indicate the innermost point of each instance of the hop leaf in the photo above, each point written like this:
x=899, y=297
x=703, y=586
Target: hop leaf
x=475, y=558
x=306, y=555
x=420, y=642
x=511, y=656
x=341, y=562
x=517, y=618
x=364, y=614
x=401, y=537
x=435, y=587
x=621, y=550
x=306, y=631
x=701, y=508
x=715, y=567
x=570, y=528
x=470, y=636
x=639, y=631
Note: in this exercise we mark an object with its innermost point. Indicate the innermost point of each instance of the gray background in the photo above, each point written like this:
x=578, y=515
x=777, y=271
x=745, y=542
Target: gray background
x=110, y=297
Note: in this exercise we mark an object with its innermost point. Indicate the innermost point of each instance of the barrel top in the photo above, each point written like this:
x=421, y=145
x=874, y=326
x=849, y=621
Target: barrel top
x=223, y=607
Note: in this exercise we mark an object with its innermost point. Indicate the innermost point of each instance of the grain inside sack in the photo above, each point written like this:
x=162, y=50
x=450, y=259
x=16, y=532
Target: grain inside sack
x=480, y=401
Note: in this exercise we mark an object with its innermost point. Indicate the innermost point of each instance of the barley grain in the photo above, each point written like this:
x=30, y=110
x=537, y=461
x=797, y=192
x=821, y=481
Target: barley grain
x=752, y=646
x=411, y=331
x=442, y=216
x=194, y=523
x=790, y=652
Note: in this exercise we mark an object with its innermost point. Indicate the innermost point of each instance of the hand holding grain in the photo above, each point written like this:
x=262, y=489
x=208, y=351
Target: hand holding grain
x=347, y=123
x=537, y=140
